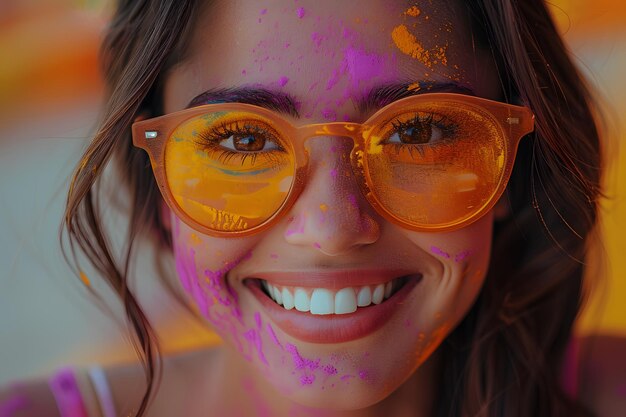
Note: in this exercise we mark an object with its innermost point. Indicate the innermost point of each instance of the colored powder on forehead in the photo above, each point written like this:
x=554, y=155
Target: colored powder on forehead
x=363, y=66
x=329, y=114
x=408, y=44
x=283, y=81
x=263, y=11
x=300, y=12
x=413, y=11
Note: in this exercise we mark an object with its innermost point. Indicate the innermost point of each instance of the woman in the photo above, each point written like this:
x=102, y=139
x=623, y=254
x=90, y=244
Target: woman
x=332, y=187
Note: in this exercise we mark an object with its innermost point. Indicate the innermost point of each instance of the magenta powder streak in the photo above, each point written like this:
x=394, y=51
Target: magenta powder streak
x=329, y=369
x=263, y=11
x=270, y=330
x=461, y=256
x=307, y=379
x=300, y=362
x=300, y=12
x=257, y=319
x=283, y=81
x=14, y=404
x=255, y=339
x=439, y=252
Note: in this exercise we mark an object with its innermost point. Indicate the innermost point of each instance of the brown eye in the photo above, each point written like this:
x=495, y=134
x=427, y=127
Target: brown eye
x=417, y=133
x=250, y=143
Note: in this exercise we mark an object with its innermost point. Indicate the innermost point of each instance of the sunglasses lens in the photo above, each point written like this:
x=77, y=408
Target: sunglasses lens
x=435, y=165
x=229, y=170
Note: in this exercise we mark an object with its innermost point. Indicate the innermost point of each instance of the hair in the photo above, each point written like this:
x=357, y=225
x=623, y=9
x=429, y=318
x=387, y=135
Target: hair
x=505, y=357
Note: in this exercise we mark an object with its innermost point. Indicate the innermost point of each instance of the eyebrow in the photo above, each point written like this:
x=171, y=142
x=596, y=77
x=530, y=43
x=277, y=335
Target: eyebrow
x=285, y=103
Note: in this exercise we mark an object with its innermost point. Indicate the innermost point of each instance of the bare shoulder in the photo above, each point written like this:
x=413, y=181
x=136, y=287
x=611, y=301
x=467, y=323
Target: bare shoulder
x=603, y=374
x=182, y=373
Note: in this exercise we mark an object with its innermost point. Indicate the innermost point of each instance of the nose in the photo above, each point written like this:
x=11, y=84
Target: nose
x=331, y=214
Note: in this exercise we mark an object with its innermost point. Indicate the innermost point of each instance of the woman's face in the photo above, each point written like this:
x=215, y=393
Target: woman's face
x=328, y=56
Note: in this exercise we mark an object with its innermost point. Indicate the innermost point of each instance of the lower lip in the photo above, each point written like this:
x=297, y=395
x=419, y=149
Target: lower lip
x=333, y=328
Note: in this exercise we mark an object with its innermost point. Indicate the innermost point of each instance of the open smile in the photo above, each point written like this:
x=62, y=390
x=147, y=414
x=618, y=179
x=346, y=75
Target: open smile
x=330, y=314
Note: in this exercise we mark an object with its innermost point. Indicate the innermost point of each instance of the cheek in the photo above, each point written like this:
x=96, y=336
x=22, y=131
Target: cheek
x=202, y=269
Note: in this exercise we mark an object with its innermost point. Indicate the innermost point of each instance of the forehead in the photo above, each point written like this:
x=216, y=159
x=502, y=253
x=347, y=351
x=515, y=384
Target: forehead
x=328, y=53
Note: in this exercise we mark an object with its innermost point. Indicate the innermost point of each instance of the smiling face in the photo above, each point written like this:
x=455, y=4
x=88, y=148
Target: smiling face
x=332, y=253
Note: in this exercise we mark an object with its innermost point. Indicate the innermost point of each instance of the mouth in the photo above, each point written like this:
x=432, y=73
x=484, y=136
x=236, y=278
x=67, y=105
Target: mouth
x=331, y=314
x=322, y=301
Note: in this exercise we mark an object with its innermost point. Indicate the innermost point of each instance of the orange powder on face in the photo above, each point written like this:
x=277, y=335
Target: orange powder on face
x=413, y=11
x=414, y=87
x=409, y=45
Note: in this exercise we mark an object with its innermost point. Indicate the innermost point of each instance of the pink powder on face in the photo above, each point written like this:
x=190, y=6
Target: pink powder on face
x=329, y=114
x=439, y=252
x=263, y=11
x=333, y=173
x=176, y=227
x=300, y=12
x=257, y=319
x=317, y=245
x=273, y=256
x=300, y=362
x=461, y=256
x=297, y=226
x=352, y=200
x=272, y=334
x=316, y=37
x=329, y=369
x=283, y=81
x=255, y=339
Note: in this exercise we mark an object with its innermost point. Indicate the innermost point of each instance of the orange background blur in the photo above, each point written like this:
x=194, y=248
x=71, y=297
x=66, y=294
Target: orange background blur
x=50, y=93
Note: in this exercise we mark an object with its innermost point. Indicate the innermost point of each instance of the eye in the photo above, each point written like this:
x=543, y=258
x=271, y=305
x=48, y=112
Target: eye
x=249, y=142
x=243, y=137
x=418, y=130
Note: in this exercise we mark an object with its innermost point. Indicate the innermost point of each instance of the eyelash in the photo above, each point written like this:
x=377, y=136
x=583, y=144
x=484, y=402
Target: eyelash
x=211, y=138
x=447, y=127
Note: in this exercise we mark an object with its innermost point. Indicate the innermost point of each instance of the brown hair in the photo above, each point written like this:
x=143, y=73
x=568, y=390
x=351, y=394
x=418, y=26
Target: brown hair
x=505, y=358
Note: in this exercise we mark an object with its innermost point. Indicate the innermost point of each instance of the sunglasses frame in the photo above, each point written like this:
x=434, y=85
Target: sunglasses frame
x=152, y=135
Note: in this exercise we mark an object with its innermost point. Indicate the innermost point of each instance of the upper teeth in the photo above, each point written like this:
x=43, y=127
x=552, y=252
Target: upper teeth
x=326, y=301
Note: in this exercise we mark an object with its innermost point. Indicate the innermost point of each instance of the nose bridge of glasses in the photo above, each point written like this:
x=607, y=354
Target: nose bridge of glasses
x=342, y=129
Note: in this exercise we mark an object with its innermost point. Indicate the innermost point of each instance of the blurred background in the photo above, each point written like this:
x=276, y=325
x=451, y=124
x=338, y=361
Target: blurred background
x=50, y=94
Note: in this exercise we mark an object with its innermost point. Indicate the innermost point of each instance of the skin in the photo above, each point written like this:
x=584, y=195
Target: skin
x=301, y=48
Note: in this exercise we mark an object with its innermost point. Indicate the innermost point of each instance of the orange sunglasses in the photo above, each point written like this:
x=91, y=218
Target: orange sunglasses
x=430, y=162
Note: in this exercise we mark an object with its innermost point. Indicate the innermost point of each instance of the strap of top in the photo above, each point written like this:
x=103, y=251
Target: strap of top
x=103, y=392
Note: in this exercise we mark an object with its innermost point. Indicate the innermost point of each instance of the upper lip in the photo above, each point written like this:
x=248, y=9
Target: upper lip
x=331, y=279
